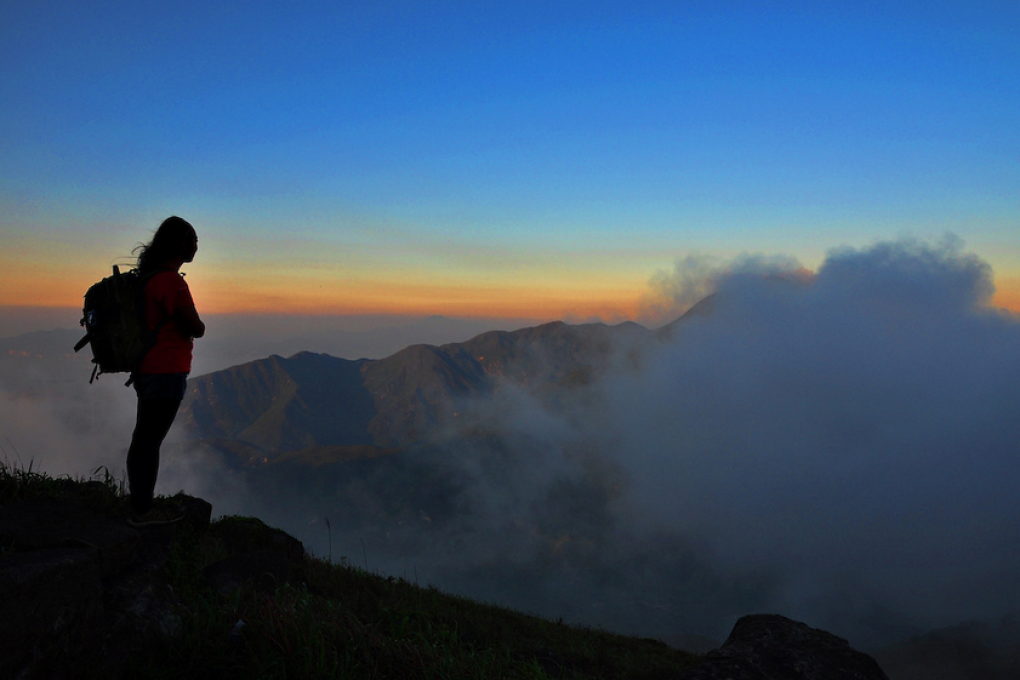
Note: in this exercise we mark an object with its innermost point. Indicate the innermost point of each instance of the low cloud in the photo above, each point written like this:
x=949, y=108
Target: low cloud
x=66, y=431
x=695, y=277
x=853, y=435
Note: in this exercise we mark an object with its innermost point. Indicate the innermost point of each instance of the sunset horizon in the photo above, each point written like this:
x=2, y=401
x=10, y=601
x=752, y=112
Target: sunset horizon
x=529, y=160
x=221, y=295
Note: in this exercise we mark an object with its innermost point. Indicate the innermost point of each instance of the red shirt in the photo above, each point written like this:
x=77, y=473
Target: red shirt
x=165, y=294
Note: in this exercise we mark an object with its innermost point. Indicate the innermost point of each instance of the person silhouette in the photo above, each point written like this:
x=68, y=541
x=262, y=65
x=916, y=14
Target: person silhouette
x=161, y=379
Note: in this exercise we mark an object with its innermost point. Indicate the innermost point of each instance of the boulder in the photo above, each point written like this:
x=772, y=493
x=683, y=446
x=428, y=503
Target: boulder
x=250, y=551
x=42, y=523
x=80, y=588
x=772, y=647
x=51, y=610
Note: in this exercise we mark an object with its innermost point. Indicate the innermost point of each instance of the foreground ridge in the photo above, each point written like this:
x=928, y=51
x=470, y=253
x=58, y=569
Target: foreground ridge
x=82, y=594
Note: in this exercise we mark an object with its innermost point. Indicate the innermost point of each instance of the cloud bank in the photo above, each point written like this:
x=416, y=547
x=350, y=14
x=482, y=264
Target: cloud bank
x=853, y=434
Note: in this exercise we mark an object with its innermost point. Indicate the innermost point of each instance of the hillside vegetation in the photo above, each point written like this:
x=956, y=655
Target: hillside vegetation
x=320, y=619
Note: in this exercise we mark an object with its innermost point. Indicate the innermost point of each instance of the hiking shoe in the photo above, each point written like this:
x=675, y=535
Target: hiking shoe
x=155, y=516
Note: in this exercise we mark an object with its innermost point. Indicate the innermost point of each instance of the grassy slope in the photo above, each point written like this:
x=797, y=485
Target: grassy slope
x=344, y=622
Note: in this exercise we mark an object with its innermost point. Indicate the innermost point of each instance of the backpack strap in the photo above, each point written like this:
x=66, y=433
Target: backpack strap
x=84, y=341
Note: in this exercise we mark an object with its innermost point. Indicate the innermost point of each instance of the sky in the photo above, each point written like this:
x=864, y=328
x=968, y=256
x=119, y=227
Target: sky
x=540, y=160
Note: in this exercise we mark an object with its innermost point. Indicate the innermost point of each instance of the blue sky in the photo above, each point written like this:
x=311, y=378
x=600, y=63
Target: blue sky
x=521, y=149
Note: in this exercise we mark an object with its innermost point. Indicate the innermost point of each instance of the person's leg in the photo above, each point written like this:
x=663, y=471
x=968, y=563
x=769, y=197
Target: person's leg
x=154, y=418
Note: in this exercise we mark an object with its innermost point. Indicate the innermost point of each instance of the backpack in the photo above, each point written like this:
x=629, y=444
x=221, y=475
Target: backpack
x=114, y=321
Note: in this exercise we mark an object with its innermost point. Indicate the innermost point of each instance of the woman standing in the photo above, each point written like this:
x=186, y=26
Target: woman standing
x=161, y=379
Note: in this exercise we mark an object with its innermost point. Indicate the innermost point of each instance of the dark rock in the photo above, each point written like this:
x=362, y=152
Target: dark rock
x=235, y=535
x=40, y=523
x=80, y=589
x=197, y=512
x=253, y=552
x=771, y=647
x=51, y=610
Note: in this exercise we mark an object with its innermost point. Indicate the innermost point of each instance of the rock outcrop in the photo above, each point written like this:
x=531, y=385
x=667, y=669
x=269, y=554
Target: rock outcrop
x=771, y=647
x=82, y=590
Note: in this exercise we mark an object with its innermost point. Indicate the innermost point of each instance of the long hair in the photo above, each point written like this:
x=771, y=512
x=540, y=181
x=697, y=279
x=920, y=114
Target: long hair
x=166, y=244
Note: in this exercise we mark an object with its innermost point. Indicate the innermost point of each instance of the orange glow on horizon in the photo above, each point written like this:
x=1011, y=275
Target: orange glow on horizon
x=560, y=298
x=424, y=300
x=352, y=291
x=1007, y=293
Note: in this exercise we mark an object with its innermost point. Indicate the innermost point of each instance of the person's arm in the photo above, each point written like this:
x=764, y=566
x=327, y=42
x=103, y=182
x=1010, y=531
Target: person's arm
x=189, y=322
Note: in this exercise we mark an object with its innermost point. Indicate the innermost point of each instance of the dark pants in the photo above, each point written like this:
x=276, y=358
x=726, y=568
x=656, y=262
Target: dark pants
x=159, y=398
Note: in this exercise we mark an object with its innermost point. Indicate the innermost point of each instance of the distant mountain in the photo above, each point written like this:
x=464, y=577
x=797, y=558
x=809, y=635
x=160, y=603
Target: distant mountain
x=315, y=400
x=281, y=404
x=233, y=340
x=703, y=308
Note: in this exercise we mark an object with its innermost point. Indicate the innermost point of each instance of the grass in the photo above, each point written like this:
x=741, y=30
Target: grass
x=340, y=621
x=102, y=492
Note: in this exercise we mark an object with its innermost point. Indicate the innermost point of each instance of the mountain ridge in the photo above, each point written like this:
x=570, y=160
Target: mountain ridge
x=283, y=405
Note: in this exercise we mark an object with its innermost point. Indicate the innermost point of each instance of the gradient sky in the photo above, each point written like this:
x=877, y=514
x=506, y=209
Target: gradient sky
x=499, y=159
